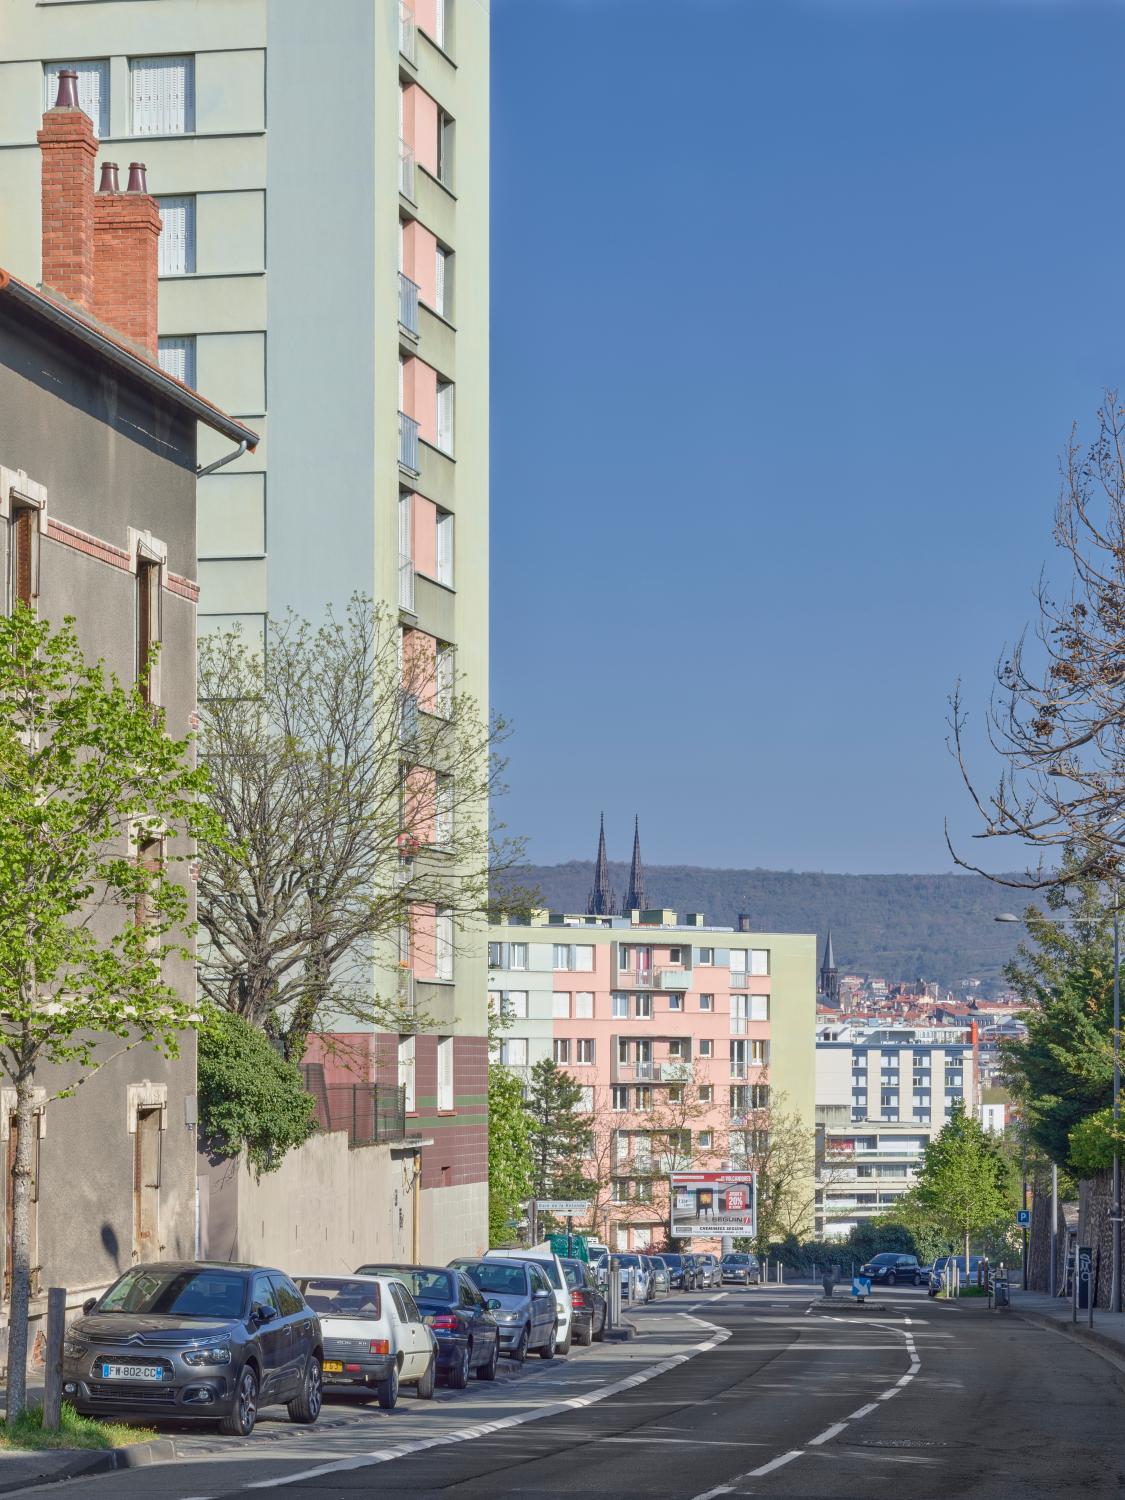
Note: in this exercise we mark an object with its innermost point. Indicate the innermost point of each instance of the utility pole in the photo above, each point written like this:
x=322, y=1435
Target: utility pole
x=1054, y=1228
x=1115, y=1277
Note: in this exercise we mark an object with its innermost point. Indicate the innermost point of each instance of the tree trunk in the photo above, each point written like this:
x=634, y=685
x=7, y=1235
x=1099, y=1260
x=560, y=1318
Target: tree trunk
x=20, y=1231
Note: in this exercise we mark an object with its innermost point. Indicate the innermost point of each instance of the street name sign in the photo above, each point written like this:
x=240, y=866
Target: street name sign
x=571, y=1206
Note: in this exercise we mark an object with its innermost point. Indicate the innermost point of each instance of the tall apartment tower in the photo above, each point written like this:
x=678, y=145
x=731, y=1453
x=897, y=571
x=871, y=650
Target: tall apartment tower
x=322, y=175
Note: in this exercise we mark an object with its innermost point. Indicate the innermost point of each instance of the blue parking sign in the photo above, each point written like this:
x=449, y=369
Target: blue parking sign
x=1023, y=1217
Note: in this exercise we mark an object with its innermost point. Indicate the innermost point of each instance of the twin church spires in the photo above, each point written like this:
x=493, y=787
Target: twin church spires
x=602, y=902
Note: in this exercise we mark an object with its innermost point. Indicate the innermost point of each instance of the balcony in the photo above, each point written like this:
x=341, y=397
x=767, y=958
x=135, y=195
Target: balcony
x=406, y=582
x=408, y=444
x=651, y=1072
x=407, y=32
x=408, y=304
x=639, y=979
x=674, y=979
x=406, y=170
x=739, y=980
x=369, y=1112
x=408, y=1005
x=408, y=720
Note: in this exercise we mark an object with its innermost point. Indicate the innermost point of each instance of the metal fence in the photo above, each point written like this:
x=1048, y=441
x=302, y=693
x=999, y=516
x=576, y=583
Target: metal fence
x=369, y=1112
x=408, y=303
x=408, y=442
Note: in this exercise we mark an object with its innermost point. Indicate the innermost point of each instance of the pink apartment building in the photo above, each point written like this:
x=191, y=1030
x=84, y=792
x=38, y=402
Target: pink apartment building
x=682, y=1035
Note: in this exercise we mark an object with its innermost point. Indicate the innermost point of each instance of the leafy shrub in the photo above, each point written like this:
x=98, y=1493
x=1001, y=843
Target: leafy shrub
x=250, y=1098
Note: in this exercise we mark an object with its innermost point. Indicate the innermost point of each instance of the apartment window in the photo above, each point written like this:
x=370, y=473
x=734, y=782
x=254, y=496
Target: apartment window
x=644, y=1008
x=675, y=1002
x=620, y=1098
x=443, y=944
x=176, y=249
x=707, y=1002
x=517, y=958
x=738, y=1059
x=23, y=555
x=642, y=1190
x=584, y=1005
x=443, y=281
x=759, y=1053
x=678, y=1049
x=513, y=1052
x=675, y=956
x=148, y=1154
x=738, y=961
x=445, y=1072
x=514, y=1003
x=706, y=1094
x=584, y=1051
x=560, y=1005
x=443, y=680
x=150, y=858
x=406, y=1069
x=439, y=23
x=738, y=1015
x=148, y=628
x=706, y=1140
x=443, y=811
x=561, y=1050
x=706, y=1047
x=759, y=1009
x=576, y=956
x=622, y=1050
x=620, y=1189
x=445, y=415
x=759, y=961
x=163, y=95
x=177, y=358
x=93, y=89
x=620, y=1006
x=445, y=149
x=443, y=543
x=759, y=1096
x=587, y=1103
x=706, y=955
x=644, y=1097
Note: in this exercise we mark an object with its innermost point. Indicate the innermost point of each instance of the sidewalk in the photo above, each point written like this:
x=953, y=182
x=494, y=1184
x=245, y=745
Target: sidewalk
x=1108, y=1332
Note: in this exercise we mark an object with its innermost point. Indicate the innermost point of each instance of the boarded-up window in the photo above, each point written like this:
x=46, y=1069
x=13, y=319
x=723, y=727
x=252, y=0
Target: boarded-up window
x=22, y=541
x=147, y=1153
x=148, y=627
x=150, y=858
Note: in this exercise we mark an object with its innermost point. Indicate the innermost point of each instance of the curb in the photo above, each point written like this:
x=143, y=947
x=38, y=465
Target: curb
x=621, y=1335
x=84, y=1463
x=1109, y=1348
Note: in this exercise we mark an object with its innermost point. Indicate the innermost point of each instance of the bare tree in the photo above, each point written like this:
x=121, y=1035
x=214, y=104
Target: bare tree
x=779, y=1147
x=1057, y=713
x=353, y=777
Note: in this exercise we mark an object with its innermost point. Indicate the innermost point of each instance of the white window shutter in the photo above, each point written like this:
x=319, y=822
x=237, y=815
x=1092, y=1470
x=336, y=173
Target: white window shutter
x=93, y=89
x=445, y=548
x=439, y=24
x=405, y=527
x=163, y=95
x=445, y=1072
x=439, y=281
x=445, y=416
x=177, y=358
x=177, y=236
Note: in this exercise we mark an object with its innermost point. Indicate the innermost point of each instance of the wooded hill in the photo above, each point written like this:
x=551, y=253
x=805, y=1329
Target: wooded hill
x=897, y=927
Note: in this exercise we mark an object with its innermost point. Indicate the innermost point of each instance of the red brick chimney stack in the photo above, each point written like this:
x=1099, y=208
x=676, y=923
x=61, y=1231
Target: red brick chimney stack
x=68, y=149
x=99, y=249
x=126, y=232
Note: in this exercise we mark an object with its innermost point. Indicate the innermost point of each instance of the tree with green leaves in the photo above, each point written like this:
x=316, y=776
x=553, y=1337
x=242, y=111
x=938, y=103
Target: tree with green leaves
x=250, y=1097
x=509, y=1153
x=560, y=1133
x=90, y=917
x=965, y=1185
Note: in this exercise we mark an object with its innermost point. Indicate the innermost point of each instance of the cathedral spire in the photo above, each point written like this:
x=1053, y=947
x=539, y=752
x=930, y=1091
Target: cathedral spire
x=636, y=900
x=829, y=974
x=601, y=902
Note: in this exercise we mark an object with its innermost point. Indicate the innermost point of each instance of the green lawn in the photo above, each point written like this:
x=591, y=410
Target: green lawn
x=74, y=1432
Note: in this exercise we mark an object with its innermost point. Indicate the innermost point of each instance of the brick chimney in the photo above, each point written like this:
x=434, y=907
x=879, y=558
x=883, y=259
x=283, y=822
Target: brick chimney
x=68, y=149
x=99, y=249
x=126, y=232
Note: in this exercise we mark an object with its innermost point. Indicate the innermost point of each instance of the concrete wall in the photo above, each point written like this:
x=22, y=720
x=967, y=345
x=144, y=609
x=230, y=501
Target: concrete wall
x=328, y=1208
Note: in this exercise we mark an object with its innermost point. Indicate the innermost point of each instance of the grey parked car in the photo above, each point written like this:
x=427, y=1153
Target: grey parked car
x=662, y=1281
x=196, y=1339
x=736, y=1266
x=709, y=1273
x=522, y=1301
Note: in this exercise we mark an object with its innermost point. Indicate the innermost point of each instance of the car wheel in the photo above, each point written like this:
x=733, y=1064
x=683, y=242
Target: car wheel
x=388, y=1390
x=424, y=1390
x=488, y=1371
x=892, y=1279
x=519, y=1353
x=600, y=1335
x=917, y=1281
x=240, y=1422
x=550, y=1348
x=564, y=1348
x=458, y=1376
x=585, y=1336
x=306, y=1408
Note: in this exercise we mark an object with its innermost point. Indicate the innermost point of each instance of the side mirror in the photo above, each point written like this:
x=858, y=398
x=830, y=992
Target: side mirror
x=492, y=1304
x=89, y=1304
x=263, y=1314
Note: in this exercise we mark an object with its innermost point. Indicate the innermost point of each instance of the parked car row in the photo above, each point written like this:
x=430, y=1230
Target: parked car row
x=650, y=1276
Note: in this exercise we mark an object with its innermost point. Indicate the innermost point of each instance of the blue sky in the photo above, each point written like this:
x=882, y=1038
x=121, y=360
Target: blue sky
x=794, y=302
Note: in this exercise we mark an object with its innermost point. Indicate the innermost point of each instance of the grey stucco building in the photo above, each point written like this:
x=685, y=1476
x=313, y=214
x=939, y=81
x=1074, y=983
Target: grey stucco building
x=97, y=521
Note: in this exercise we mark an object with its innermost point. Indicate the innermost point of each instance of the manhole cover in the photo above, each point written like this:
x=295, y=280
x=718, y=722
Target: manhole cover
x=899, y=1443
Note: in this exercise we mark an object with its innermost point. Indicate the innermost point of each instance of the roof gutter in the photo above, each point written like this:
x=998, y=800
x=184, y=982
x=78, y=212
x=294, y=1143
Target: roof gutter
x=221, y=462
x=130, y=364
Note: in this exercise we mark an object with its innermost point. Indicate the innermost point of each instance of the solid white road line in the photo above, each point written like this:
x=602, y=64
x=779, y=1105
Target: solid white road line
x=467, y=1434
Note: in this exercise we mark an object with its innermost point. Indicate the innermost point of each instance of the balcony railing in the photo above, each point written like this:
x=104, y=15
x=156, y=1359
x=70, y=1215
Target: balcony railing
x=406, y=582
x=675, y=979
x=739, y=979
x=407, y=31
x=408, y=303
x=408, y=443
x=369, y=1112
x=640, y=979
x=406, y=999
x=406, y=170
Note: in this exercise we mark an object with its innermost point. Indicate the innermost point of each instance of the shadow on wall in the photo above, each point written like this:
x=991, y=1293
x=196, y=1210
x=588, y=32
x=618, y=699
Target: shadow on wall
x=111, y=1245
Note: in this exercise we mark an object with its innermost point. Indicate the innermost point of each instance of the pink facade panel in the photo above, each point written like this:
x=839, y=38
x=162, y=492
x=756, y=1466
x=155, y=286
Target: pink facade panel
x=419, y=260
x=425, y=536
x=419, y=397
x=420, y=126
x=423, y=941
x=426, y=17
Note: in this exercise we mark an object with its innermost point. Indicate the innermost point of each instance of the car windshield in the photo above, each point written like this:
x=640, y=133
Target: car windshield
x=736, y=1260
x=574, y=1272
x=341, y=1296
x=673, y=1260
x=886, y=1259
x=495, y=1276
x=426, y=1285
x=195, y=1293
x=630, y=1260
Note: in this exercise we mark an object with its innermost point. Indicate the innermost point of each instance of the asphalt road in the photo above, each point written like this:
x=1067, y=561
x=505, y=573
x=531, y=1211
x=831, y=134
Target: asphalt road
x=762, y=1392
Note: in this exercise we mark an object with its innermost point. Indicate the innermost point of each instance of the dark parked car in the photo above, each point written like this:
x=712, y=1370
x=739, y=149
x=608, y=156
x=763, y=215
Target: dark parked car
x=736, y=1266
x=521, y=1297
x=196, y=1339
x=467, y=1333
x=681, y=1270
x=587, y=1299
x=946, y=1261
x=890, y=1267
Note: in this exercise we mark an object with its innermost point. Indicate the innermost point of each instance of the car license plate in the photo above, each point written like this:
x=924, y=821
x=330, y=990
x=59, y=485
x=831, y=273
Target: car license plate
x=333, y=1367
x=131, y=1372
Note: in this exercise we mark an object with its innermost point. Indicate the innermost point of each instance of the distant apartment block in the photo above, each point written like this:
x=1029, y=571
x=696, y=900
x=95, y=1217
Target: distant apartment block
x=683, y=1036
x=322, y=177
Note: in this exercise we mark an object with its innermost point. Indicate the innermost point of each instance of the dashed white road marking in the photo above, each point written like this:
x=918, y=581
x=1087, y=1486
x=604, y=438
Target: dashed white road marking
x=776, y=1463
x=827, y=1435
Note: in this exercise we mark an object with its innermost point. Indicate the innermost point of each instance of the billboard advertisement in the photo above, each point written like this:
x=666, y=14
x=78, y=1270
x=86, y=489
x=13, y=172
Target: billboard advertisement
x=708, y=1204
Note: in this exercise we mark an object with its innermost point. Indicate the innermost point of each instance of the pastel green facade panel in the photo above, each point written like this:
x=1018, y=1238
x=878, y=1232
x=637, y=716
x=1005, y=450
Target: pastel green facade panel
x=212, y=304
x=230, y=92
x=19, y=184
x=232, y=586
x=232, y=515
x=231, y=371
x=21, y=100
x=213, y=445
x=251, y=627
x=230, y=233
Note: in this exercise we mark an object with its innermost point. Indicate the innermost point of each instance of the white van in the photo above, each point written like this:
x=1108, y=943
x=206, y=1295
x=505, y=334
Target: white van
x=551, y=1266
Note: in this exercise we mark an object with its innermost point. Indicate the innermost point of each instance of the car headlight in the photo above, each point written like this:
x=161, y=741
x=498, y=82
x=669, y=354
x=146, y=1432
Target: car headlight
x=506, y=1317
x=74, y=1348
x=211, y=1354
